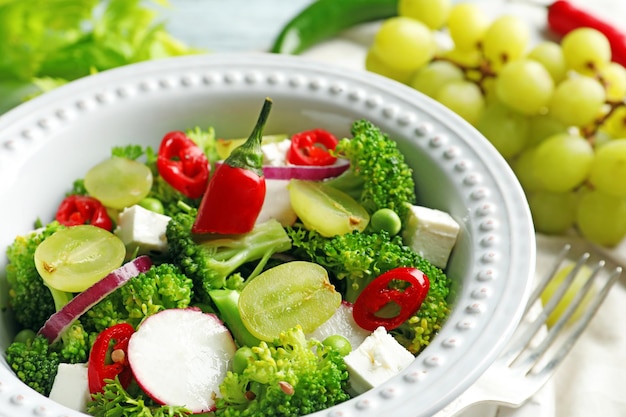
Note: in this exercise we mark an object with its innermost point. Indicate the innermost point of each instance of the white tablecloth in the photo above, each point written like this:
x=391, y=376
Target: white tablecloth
x=590, y=382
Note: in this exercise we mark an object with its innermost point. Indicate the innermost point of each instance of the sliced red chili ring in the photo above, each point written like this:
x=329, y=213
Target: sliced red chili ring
x=81, y=209
x=312, y=147
x=101, y=367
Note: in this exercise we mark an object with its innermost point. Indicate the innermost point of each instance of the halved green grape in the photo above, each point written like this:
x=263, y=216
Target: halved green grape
x=374, y=64
x=433, y=13
x=404, y=44
x=505, y=128
x=601, y=217
x=119, y=182
x=550, y=55
x=614, y=80
x=75, y=258
x=505, y=40
x=467, y=24
x=525, y=85
x=464, y=98
x=577, y=101
x=582, y=276
x=608, y=169
x=553, y=213
x=563, y=162
x=325, y=209
x=431, y=78
x=586, y=50
x=292, y=294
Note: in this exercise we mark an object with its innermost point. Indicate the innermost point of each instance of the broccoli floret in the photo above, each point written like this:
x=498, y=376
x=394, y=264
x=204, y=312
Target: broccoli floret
x=210, y=260
x=161, y=287
x=29, y=298
x=34, y=363
x=292, y=377
x=355, y=259
x=378, y=176
x=119, y=402
x=74, y=344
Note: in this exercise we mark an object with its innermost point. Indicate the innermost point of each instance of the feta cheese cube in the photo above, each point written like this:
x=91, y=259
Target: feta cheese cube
x=274, y=153
x=142, y=230
x=71, y=386
x=377, y=359
x=431, y=233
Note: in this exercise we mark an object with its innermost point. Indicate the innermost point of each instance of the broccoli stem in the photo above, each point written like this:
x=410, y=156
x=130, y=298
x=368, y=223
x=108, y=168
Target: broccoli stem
x=61, y=298
x=227, y=302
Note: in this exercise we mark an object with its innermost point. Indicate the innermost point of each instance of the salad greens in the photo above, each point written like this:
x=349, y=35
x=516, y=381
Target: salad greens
x=46, y=43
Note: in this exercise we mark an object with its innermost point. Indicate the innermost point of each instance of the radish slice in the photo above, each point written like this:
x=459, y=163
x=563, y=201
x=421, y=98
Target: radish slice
x=180, y=357
x=57, y=323
x=303, y=172
x=341, y=323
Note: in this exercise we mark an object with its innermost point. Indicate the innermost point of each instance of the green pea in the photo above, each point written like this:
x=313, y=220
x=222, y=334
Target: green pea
x=386, y=219
x=339, y=343
x=152, y=204
x=24, y=336
x=241, y=359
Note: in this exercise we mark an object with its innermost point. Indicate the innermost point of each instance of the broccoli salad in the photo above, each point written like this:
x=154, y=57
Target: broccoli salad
x=228, y=277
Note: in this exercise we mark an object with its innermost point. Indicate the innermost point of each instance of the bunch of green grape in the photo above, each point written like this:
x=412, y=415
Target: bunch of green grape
x=555, y=111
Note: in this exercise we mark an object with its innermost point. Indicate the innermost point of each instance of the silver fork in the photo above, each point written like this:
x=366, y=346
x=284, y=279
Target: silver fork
x=531, y=357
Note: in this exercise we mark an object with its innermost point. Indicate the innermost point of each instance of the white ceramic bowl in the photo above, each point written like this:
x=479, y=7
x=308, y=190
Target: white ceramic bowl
x=48, y=142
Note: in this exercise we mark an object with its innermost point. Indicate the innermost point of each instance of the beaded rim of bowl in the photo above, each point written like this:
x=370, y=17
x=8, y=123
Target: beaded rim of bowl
x=496, y=211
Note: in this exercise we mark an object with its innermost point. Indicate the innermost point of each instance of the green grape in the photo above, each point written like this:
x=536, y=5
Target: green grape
x=586, y=50
x=404, y=44
x=505, y=40
x=467, y=25
x=608, y=170
x=577, y=101
x=577, y=285
x=274, y=301
x=601, y=217
x=563, y=162
x=525, y=86
x=326, y=209
x=553, y=213
x=374, y=64
x=550, y=55
x=615, y=124
x=543, y=126
x=432, y=77
x=524, y=168
x=75, y=258
x=614, y=80
x=119, y=182
x=433, y=13
x=464, y=58
x=464, y=98
x=505, y=128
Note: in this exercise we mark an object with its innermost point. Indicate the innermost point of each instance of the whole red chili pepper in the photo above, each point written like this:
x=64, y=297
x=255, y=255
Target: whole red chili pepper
x=312, y=147
x=183, y=164
x=81, y=209
x=379, y=294
x=563, y=17
x=99, y=367
x=236, y=191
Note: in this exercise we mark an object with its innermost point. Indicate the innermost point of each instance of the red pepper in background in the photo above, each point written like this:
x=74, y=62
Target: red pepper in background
x=563, y=17
x=81, y=209
x=379, y=294
x=100, y=367
x=236, y=191
x=312, y=148
x=183, y=164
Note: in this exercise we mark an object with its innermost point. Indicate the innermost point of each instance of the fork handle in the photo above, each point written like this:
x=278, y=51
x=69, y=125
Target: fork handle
x=472, y=396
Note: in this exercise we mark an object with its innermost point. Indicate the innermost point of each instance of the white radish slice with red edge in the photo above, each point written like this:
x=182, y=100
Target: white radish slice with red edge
x=57, y=323
x=180, y=357
x=304, y=172
x=341, y=323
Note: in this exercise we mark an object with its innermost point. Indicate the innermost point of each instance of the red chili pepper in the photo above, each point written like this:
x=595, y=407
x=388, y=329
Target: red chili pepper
x=81, y=209
x=236, y=191
x=101, y=366
x=379, y=294
x=312, y=148
x=183, y=164
x=563, y=17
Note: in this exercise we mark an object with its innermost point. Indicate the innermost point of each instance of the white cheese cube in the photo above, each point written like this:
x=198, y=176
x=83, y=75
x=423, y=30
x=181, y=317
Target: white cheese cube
x=142, y=230
x=377, y=359
x=71, y=386
x=277, y=204
x=431, y=233
x=274, y=153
